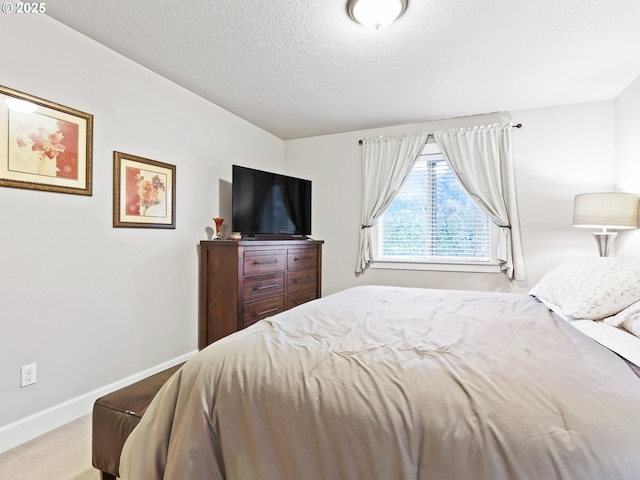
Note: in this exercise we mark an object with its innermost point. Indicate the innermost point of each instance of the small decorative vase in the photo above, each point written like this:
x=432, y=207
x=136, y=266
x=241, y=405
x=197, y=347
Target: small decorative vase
x=218, y=221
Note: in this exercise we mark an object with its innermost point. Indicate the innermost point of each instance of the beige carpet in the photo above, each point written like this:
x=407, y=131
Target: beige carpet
x=62, y=454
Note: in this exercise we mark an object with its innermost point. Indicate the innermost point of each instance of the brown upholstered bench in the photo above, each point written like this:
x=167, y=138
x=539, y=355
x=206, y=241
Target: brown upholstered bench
x=115, y=416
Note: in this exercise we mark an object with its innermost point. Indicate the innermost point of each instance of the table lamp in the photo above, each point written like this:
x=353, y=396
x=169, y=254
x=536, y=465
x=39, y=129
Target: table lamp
x=606, y=210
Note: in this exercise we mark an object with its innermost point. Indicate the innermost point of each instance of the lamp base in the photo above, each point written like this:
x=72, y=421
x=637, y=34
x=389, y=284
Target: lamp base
x=604, y=241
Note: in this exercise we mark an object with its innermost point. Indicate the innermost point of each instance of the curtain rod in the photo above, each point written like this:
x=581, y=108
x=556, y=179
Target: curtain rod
x=517, y=125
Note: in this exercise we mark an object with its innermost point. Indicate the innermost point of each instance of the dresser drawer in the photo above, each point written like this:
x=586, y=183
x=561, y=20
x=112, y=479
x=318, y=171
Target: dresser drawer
x=254, y=311
x=264, y=261
x=302, y=258
x=298, y=298
x=263, y=286
x=298, y=280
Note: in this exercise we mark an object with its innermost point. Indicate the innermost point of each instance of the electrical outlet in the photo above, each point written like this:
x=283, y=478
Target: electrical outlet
x=27, y=375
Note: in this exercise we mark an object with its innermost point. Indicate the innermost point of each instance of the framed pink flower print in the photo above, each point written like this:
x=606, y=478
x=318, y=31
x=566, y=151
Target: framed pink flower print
x=143, y=192
x=44, y=145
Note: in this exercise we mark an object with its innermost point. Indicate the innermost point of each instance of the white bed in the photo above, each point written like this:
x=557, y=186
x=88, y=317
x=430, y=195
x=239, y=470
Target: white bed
x=397, y=383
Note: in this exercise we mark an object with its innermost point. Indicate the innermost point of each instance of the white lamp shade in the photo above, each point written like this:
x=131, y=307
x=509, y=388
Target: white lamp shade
x=376, y=13
x=606, y=210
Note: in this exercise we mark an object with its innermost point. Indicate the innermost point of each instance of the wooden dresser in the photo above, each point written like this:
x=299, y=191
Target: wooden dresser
x=243, y=281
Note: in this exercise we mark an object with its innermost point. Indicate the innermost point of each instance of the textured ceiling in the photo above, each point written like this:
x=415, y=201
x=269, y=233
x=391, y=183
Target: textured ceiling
x=301, y=68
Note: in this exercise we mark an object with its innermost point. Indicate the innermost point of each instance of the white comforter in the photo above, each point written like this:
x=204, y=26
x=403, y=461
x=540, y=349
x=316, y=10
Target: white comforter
x=393, y=384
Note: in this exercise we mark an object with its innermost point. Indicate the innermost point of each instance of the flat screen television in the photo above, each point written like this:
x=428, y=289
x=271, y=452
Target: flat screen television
x=269, y=204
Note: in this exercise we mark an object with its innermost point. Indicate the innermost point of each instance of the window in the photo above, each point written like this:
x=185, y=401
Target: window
x=433, y=220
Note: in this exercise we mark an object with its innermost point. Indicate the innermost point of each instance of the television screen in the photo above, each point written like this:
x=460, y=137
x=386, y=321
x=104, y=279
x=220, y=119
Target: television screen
x=265, y=203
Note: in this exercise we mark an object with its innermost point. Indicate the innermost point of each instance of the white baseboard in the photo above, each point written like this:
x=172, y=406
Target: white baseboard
x=28, y=428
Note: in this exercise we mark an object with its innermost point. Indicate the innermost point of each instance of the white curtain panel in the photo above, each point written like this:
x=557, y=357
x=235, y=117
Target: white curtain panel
x=481, y=158
x=386, y=163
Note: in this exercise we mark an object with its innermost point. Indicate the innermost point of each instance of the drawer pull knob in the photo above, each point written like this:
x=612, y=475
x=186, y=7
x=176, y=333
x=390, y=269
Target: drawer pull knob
x=256, y=262
x=262, y=287
x=256, y=314
x=305, y=279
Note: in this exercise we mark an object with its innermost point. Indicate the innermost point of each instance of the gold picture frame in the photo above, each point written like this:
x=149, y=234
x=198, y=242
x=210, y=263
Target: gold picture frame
x=44, y=145
x=144, y=192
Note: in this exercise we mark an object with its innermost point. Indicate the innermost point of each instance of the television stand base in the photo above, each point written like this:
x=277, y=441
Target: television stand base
x=266, y=236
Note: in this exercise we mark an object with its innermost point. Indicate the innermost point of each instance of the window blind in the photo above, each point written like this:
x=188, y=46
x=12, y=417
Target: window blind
x=432, y=217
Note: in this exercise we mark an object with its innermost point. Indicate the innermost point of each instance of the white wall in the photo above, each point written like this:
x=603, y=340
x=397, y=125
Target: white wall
x=559, y=152
x=91, y=304
x=628, y=157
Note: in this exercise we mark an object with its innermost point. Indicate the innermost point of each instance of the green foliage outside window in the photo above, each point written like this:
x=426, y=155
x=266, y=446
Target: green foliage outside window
x=433, y=217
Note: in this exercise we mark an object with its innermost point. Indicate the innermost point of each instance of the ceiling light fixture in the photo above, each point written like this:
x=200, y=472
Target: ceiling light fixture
x=376, y=14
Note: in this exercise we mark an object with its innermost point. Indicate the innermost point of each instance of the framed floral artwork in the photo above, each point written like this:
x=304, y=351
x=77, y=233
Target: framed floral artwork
x=144, y=192
x=44, y=145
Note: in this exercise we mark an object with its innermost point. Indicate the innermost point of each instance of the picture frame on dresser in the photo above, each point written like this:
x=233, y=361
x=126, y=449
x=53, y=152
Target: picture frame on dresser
x=144, y=192
x=44, y=145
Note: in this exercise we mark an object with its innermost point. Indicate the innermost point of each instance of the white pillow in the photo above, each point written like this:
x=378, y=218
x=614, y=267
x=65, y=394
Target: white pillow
x=591, y=288
x=629, y=319
x=632, y=325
